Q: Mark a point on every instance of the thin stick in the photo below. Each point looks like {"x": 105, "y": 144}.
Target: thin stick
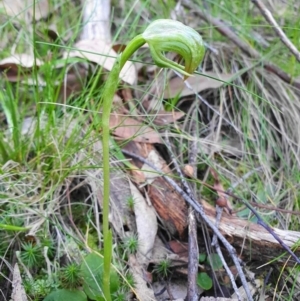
{"x": 215, "y": 243}
{"x": 193, "y": 249}
{"x": 285, "y": 40}
{"x": 199, "y": 208}
{"x": 193, "y": 257}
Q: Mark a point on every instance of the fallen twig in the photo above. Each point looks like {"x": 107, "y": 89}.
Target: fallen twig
{"x": 193, "y": 250}
{"x": 285, "y": 40}
{"x": 215, "y": 243}
{"x": 261, "y": 223}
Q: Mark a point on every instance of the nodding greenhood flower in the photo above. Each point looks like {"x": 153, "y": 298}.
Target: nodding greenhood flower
{"x": 169, "y": 35}
{"x": 161, "y": 36}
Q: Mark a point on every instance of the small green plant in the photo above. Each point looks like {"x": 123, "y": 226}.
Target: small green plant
{"x": 171, "y": 103}
{"x": 50, "y": 245}
{"x": 92, "y": 269}
{"x": 31, "y": 255}
{"x": 70, "y": 276}
{"x": 120, "y": 296}
{"x": 203, "y": 279}
{"x": 130, "y": 203}
{"x": 39, "y": 288}
{"x": 129, "y": 280}
{"x": 161, "y": 36}
{"x": 163, "y": 268}
{"x": 131, "y": 243}
{"x": 64, "y": 294}
{"x": 85, "y": 280}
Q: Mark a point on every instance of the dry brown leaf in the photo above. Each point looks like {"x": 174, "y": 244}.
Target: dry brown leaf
{"x": 129, "y": 128}
{"x": 117, "y": 47}
{"x": 138, "y": 176}
{"x": 222, "y": 200}
{"x": 179, "y": 248}
{"x": 189, "y": 170}
{"x": 15, "y": 77}
{"x": 161, "y": 117}
{"x": 15, "y": 68}
{"x": 197, "y": 84}
{"x": 150, "y": 173}
{"x": 23, "y": 9}
{"x": 52, "y": 32}
{"x": 146, "y": 223}
{"x": 18, "y": 292}
{"x": 164, "y": 118}
{"x": 141, "y": 289}
{"x": 101, "y": 53}
{"x": 23, "y": 60}
{"x": 121, "y": 216}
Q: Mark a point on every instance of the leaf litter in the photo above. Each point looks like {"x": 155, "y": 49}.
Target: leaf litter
{"x": 198, "y": 83}
{"x": 102, "y": 54}
{"x": 23, "y": 9}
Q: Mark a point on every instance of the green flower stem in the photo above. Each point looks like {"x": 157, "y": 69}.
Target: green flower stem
{"x": 161, "y": 36}
{"x": 136, "y": 43}
{"x": 108, "y": 95}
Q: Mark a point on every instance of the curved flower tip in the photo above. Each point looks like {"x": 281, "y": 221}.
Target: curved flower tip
{"x": 169, "y": 35}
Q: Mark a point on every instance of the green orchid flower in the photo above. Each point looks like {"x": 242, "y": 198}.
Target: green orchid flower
{"x": 162, "y": 36}
{"x": 169, "y": 35}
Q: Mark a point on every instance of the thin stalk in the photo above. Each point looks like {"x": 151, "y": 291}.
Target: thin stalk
{"x": 107, "y": 100}
{"x": 108, "y": 94}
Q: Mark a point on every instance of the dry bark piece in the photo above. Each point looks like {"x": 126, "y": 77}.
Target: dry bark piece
{"x": 167, "y": 202}
{"x": 96, "y": 20}
{"x": 252, "y": 240}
